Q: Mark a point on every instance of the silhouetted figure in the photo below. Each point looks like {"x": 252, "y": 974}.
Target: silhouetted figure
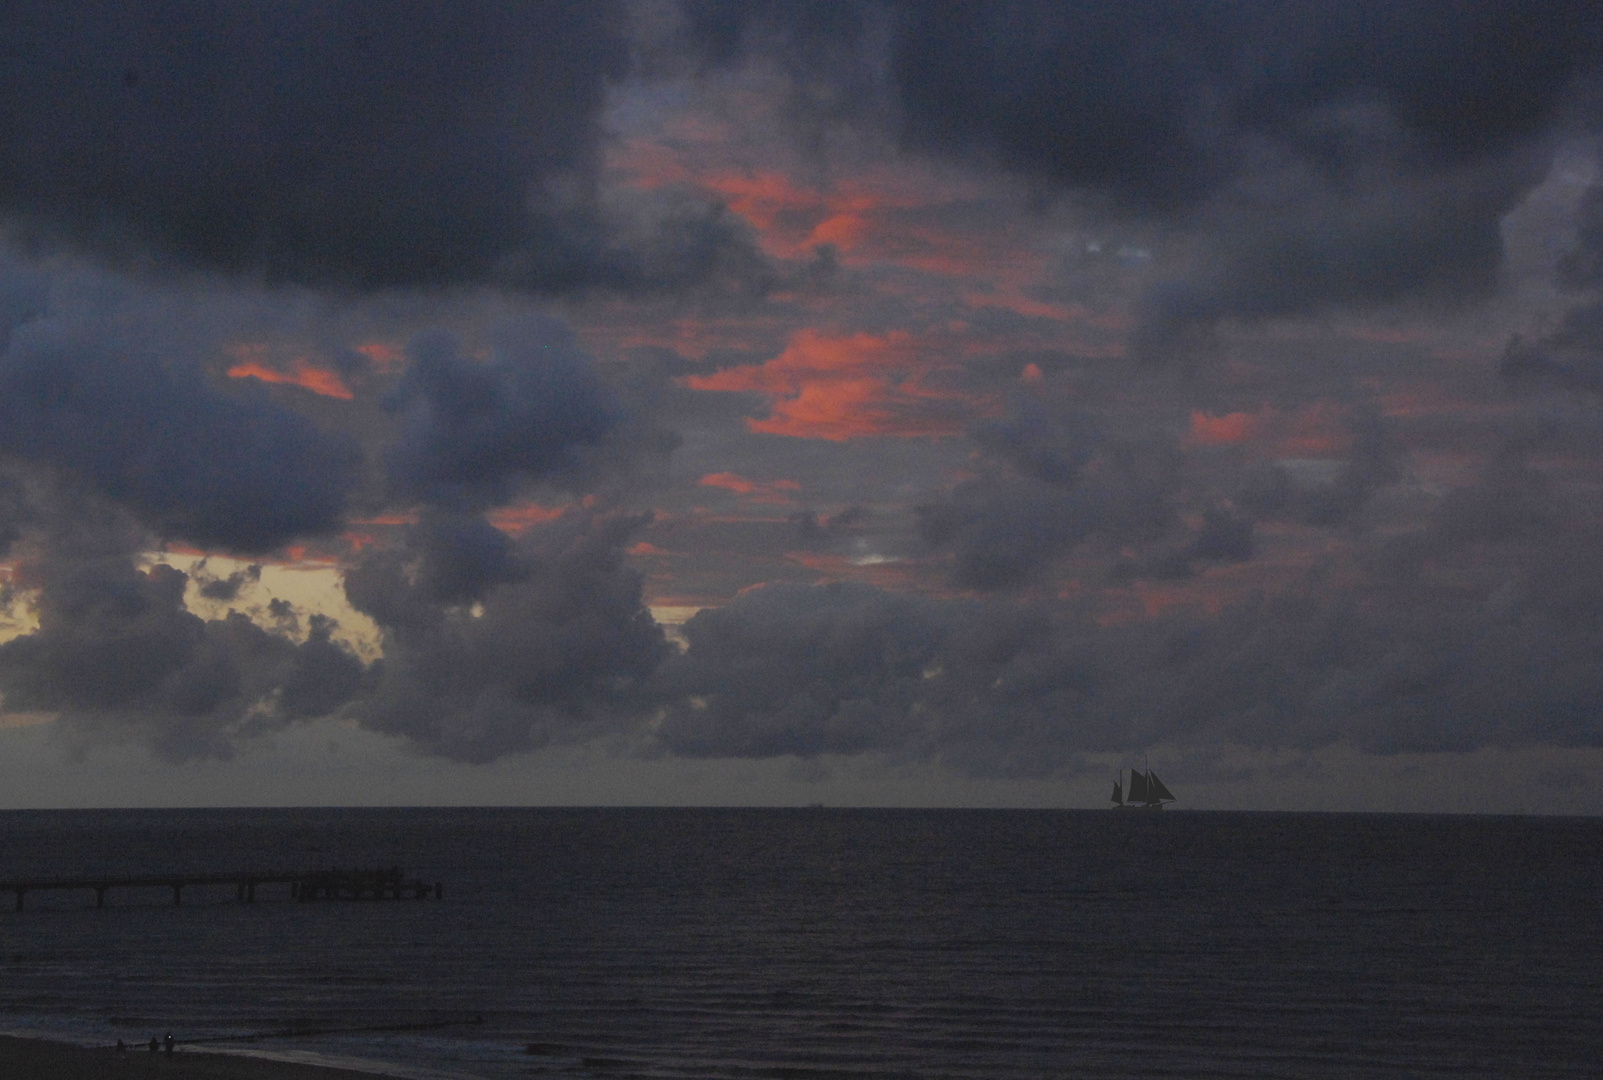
{"x": 122, "y": 1047}
{"x": 169, "y": 1041}
{"x": 153, "y": 1044}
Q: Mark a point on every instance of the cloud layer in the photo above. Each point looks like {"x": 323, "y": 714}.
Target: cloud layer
{"x": 494, "y": 647}
{"x": 83, "y": 395}
{"x": 489, "y": 330}
{"x": 350, "y": 145}
{"x": 1319, "y": 155}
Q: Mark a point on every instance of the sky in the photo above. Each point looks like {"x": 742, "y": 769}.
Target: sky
{"x": 861, "y": 403}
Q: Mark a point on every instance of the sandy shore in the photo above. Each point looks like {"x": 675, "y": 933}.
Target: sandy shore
{"x": 36, "y": 1059}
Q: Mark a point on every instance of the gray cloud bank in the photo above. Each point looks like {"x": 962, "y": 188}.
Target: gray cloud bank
{"x": 1477, "y": 630}
{"x": 1570, "y": 356}
{"x": 1417, "y": 653}
{"x": 494, "y": 646}
{"x": 1055, "y": 481}
{"x": 1321, "y": 155}
{"x": 353, "y": 144}
{"x": 118, "y": 655}
{"x": 118, "y": 435}
{"x": 472, "y": 429}
{"x": 89, "y": 394}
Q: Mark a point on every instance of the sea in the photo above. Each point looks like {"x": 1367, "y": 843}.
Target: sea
{"x": 826, "y": 944}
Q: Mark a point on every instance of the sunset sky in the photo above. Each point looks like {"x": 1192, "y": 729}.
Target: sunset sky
{"x": 775, "y": 403}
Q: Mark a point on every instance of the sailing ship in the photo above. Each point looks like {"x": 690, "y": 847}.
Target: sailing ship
{"x": 1146, "y": 791}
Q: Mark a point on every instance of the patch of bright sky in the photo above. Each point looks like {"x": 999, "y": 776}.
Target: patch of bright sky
{"x": 313, "y": 588}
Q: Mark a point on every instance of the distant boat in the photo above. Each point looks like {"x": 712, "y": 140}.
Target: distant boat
{"x": 1146, "y": 791}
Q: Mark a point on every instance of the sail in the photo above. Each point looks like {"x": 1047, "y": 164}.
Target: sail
{"x": 1118, "y": 795}
{"x": 1155, "y": 788}
{"x": 1138, "y": 787}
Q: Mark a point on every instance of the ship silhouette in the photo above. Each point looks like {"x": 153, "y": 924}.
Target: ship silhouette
{"x": 1146, "y": 791}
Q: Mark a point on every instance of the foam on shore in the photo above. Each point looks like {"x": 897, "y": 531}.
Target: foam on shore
{"x": 40, "y": 1059}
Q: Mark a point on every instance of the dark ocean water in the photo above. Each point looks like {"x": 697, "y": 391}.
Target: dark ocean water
{"x": 793, "y": 944}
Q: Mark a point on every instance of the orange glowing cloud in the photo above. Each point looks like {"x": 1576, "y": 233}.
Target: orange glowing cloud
{"x": 773, "y": 205}
{"x": 772, "y": 491}
{"x": 1023, "y": 305}
{"x": 1316, "y": 430}
{"x": 847, "y": 387}
{"x": 1006, "y": 262}
{"x": 299, "y": 553}
{"x": 690, "y": 337}
{"x": 409, "y": 518}
{"x": 886, "y": 574}
{"x": 514, "y": 519}
{"x": 383, "y": 356}
{"x": 1420, "y": 399}
{"x": 1230, "y": 429}
{"x": 295, "y": 554}
{"x": 1146, "y": 600}
{"x": 789, "y": 218}
{"x": 856, "y": 215}
{"x": 792, "y": 219}
{"x": 299, "y": 373}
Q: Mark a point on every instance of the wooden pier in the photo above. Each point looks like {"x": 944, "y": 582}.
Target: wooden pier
{"x": 304, "y": 886}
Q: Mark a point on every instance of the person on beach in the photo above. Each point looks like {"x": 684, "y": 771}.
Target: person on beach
{"x": 169, "y": 1042}
{"x": 153, "y": 1044}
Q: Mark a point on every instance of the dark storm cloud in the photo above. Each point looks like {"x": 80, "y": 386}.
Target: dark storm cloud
{"x": 348, "y": 144}
{"x": 1565, "y": 359}
{"x": 1056, "y": 481}
{"x": 233, "y": 471}
{"x": 800, "y": 670}
{"x": 493, "y": 647}
{"x": 228, "y": 588}
{"x": 1270, "y": 491}
{"x": 1571, "y": 356}
{"x": 1001, "y": 531}
{"x": 1478, "y": 632}
{"x": 1380, "y": 237}
{"x": 117, "y": 653}
{"x": 1324, "y": 154}
{"x": 1512, "y": 502}
{"x": 493, "y": 644}
{"x": 1223, "y": 537}
{"x": 814, "y": 531}
{"x": 115, "y": 437}
{"x": 16, "y": 510}
{"x": 1047, "y": 445}
{"x": 1582, "y": 266}
{"x": 984, "y": 688}
{"x": 472, "y": 429}
{"x": 23, "y": 296}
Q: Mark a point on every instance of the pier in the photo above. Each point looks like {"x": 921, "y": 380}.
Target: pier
{"x": 304, "y": 886}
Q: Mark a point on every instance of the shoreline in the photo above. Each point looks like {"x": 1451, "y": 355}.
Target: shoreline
{"x": 44, "y": 1059}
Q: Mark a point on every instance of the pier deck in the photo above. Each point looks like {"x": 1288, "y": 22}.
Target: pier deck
{"x": 304, "y": 886}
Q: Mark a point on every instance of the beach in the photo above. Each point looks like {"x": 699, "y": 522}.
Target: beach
{"x": 37, "y": 1059}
